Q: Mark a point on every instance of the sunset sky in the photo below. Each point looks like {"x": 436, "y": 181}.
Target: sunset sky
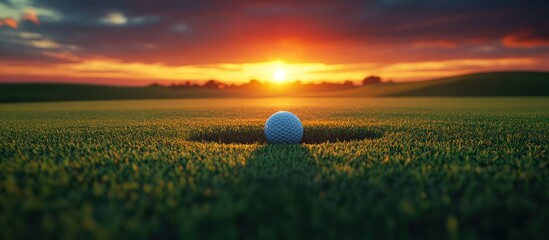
{"x": 136, "y": 42}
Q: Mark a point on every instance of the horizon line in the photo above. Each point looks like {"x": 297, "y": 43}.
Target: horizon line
{"x": 196, "y": 82}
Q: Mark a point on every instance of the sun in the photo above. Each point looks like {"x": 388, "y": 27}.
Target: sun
{"x": 279, "y": 75}
{"x": 279, "y": 71}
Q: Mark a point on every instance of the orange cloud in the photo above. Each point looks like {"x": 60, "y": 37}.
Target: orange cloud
{"x": 10, "y": 22}
{"x": 524, "y": 40}
{"x": 142, "y": 73}
{"x": 30, "y": 16}
{"x": 459, "y": 64}
{"x": 67, "y": 56}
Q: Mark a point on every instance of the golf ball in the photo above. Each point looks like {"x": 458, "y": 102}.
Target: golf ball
{"x": 283, "y": 127}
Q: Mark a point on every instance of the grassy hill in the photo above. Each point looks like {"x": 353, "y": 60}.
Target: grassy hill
{"x": 480, "y": 84}
{"x": 65, "y": 92}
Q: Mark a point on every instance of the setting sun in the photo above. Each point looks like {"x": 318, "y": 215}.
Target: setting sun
{"x": 279, "y": 75}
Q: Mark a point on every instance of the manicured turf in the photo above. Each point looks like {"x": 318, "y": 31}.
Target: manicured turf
{"x": 370, "y": 168}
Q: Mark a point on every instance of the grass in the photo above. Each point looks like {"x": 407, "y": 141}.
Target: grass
{"x": 369, "y": 168}
{"x": 312, "y": 134}
{"x": 470, "y": 85}
{"x": 41, "y": 92}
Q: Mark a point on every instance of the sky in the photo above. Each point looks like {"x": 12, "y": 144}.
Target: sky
{"x": 136, "y": 42}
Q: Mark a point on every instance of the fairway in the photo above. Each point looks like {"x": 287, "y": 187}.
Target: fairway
{"x": 200, "y": 168}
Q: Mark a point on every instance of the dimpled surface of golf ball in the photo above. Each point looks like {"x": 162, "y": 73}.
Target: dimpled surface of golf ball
{"x": 284, "y": 128}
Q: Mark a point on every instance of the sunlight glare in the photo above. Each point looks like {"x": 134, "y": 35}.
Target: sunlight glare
{"x": 279, "y": 75}
{"x": 279, "y": 71}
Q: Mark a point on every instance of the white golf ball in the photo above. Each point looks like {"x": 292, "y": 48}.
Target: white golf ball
{"x": 284, "y": 127}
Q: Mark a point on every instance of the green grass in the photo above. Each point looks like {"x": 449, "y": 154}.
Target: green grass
{"x": 370, "y": 168}
{"x": 41, "y": 92}
{"x": 479, "y": 84}
{"x": 312, "y": 134}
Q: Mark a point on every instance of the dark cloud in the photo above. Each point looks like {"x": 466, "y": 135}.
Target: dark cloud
{"x": 196, "y": 32}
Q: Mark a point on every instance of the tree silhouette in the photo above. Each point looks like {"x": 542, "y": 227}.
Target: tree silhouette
{"x": 371, "y": 80}
{"x": 211, "y": 84}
